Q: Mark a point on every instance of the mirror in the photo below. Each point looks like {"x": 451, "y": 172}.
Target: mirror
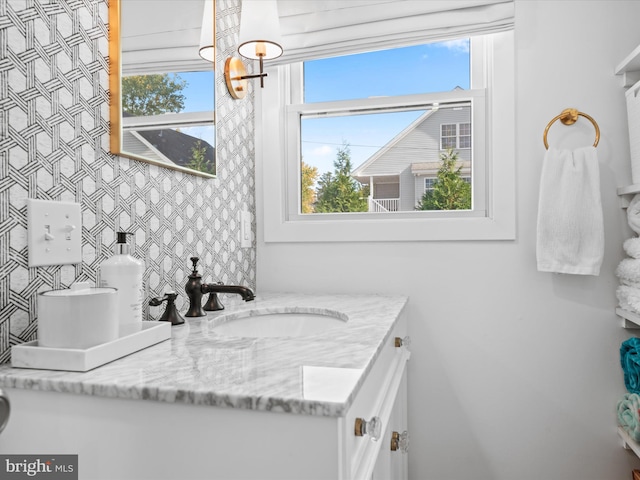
{"x": 162, "y": 105}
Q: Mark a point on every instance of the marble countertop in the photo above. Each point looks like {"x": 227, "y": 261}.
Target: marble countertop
{"x": 313, "y": 375}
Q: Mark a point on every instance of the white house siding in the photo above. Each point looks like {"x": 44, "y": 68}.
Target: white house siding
{"x": 418, "y": 181}
{"x": 420, "y": 145}
{"x": 407, "y": 190}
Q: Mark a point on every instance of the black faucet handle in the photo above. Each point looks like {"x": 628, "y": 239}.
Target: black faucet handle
{"x": 168, "y": 297}
{"x": 171, "y": 313}
{"x": 154, "y": 302}
{"x": 194, "y": 260}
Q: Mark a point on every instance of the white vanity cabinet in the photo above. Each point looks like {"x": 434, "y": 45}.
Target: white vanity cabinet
{"x": 137, "y": 438}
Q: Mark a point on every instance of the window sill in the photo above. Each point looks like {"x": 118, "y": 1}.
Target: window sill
{"x": 390, "y": 230}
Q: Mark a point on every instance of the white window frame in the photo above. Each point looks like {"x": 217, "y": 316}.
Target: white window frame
{"x": 460, "y": 135}
{"x": 457, "y": 136}
{"x": 454, "y": 136}
{"x": 277, "y": 159}
{"x": 431, "y": 181}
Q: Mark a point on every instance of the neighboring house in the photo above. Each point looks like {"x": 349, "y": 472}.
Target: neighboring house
{"x": 165, "y": 145}
{"x": 399, "y": 173}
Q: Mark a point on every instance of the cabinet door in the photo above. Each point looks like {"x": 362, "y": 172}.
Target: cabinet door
{"x": 400, "y": 457}
{"x": 393, "y": 464}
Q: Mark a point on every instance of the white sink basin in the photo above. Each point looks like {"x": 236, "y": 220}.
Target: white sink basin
{"x": 289, "y": 322}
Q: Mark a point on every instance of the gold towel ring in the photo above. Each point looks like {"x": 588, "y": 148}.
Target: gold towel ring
{"x": 569, "y": 116}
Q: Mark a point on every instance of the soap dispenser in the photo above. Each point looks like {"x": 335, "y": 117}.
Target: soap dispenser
{"x": 124, "y": 272}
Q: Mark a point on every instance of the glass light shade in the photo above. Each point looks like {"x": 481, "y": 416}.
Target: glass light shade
{"x": 207, "y": 40}
{"x": 259, "y": 30}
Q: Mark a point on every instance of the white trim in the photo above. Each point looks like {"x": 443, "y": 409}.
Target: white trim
{"x": 168, "y": 120}
{"x": 274, "y": 143}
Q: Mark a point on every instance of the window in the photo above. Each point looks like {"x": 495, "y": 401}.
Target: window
{"x": 428, "y": 184}
{"x": 464, "y": 135}
{"x": 448, "y": 136}
{"x": 343, "y": 128}
{"x": 455, "y": 135}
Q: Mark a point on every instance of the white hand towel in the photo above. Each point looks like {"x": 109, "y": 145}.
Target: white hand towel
{"x": 570, "y": 236}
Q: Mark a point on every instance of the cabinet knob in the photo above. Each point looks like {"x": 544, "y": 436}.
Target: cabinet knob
{"x": 403, "y": 342}
{"x": 373, "y": 428}
{"x": 400, "y": 441}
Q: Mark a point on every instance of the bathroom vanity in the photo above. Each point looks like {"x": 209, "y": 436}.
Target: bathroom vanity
{"x": 224, "y": 404}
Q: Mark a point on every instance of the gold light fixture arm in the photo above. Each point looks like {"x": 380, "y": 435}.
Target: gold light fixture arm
{"x": 235, "y": 76}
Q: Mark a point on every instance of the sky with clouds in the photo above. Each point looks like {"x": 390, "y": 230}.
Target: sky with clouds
{"x": 436, "y": 67}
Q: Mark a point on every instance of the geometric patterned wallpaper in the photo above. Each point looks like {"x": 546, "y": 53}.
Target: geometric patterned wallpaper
{"x": 54, "y": 144}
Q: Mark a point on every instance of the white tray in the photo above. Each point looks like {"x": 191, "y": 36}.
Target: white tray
{"x": 30, "y": 355}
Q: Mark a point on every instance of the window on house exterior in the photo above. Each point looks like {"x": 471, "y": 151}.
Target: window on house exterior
{"x": 448, "y": 136}
{"x": 350, "y": 133}
{"x": 428, "y": 184}
{"x": 464, "y": 135}
{"x": 455, "y": 135}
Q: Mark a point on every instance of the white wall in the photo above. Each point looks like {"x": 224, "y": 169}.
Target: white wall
{"x": 515, "y": 374}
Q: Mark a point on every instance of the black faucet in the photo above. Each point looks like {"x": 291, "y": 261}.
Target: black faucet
{"x": 195, "y": 289}
{"x": 194, "y": 293}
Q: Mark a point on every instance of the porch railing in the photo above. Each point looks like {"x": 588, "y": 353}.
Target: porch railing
{"x": 383, "y": 204}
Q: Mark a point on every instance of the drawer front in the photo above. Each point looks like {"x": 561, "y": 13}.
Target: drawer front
{"x": 375, "y": 399}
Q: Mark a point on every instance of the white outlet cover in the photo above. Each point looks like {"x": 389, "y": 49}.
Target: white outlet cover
{"x": 54, "y": 232}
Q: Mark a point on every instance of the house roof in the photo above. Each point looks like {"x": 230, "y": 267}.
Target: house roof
{"x": 177, "y": 146}
{"x": 430, "y": 168}
{"x": 168, "y": 145}
{"x": 359, "y": 171}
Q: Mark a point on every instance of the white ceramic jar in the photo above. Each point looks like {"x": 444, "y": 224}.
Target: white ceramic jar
{"x": 79, "y": 317}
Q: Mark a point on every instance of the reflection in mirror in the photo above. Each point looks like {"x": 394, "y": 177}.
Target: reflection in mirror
{"x": 162, "y": 90}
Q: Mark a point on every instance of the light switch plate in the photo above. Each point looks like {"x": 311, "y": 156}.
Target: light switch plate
{"x": 54, "y": 232}
{"x": 245, "y": 229}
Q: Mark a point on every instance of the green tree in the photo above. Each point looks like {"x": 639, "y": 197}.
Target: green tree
{"x": 450, "y": 191}
{"x": 199, "y": 160}
{"x": 339, "y": 192}
{"x": 309, "y": 176}
{"x": 152, "y": 94}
